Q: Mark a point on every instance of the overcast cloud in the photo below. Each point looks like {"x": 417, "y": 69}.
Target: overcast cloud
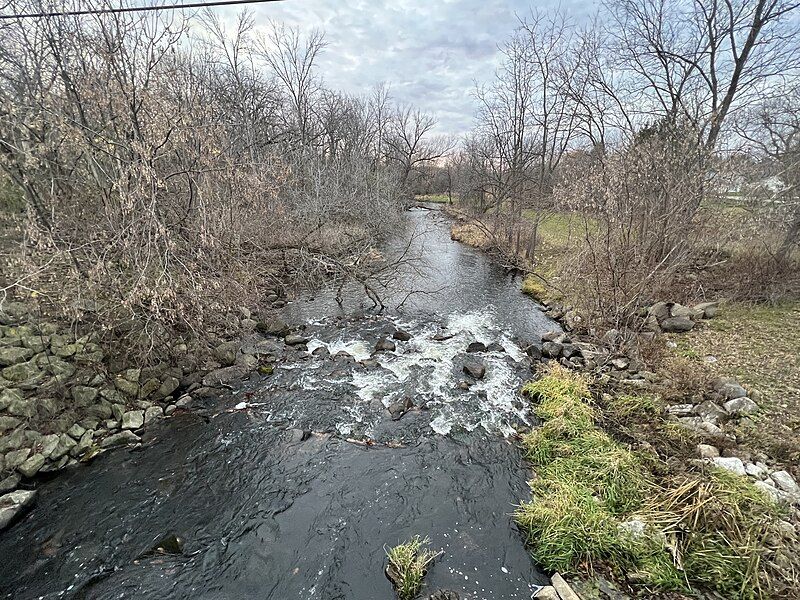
{"x": 430, "y": 51}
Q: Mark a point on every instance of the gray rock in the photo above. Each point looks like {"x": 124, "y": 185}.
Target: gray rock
{"x": 274, "y": 327}
{"x": 11, "y": 355}
{"x": 399, "y": 408}
{"x": 249, "y": 324}
{"x": 678, "y": 310}
{"x": 776, "y": 494}
{"x": 476, "y": 347}
{"x": 10, "y": 483}
{"x": 126, "y": 386}
{"x": 741, "y": 406}
{"x": 677, "y": 324}
{"x": 13, "y": 505}
{"x": 65, "y": 444}
{"x": 294, "y": 339}
{"x": 443, "y": 595}
{"x": 547, "y": 592}
{"x": 48, "y": 443}
{"x": 154, "y": 412}
{"x": 552, "y": 349}
{"x": 31, "y": 466}
{"x": 708, "y": 310}
{"x": 76, "y": 431}
{"x": 707, "y": 451}
{"x": 120, "y": 439}
{"x": 86, "y": 442}
{"x": 620, "y": 363}
{"x": 226, "y": 352}
{"x": 495, "y": 347}
{"x": 680, "y": 410}
{"x": 659, "y": 311}
{"x": 22, "y": 372}
{"x": 786, "y": 482}
{"x": 16, "y": 457}
{"x": 729, "y": 389}
{"x": 711, "y": 412}
{"x": 475, "y": 369}
{"x": 149, "y": 387}
{"x": 168, "y": 386}
{"x": 169, "y": 410}
{"x": 12, "y": 441}
{"x": 757, "y": 471}
{"x": 84, "y": 396}
{"x": 385, "y": 345}
{"x": 133, "y": 419}
{"x": 22, "y": 407}
{"x": 730, "y": 463}
{"x": 224, "y": 375}
{"x": 401, "y": 335}
{"x": 9, "y": 395}
{"x": 8, "y": 422}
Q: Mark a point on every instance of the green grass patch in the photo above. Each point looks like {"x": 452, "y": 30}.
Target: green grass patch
{"x": 702, "y": 529}
{"x": 535, "y": 288}
{"x": 408, "y": 563}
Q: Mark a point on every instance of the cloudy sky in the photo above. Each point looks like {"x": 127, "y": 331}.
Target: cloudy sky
{"x": 430, "y": 51}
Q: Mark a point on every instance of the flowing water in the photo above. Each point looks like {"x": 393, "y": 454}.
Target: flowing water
{"x": 291, "y": 486}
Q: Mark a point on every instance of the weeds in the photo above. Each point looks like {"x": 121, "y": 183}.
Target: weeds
{"x": 701, "y": 529}
{"x": 408, "y": 563}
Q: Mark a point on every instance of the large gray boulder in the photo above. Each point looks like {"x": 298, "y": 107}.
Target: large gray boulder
{"x": 13, "y": 505}
{"x": 741, "y": 406}
{"x": 679, "y": 324}
{"x": 11, "y": 355}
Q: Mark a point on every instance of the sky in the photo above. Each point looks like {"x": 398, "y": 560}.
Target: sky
{"x": 431, "y": 52}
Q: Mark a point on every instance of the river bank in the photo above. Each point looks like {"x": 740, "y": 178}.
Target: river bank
{"x": 685, "y": 417}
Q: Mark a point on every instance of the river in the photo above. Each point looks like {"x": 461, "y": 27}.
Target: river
{"x": 291, "y": 486}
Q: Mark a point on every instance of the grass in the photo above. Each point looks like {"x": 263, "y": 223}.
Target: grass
{"x": 703, "y": 529}
{"x": 535, "y": 288}
{"x": 757, "y": 345}
{"x": 408, "y": 563}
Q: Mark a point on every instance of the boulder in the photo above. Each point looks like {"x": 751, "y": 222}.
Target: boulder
{"x": 295, "y": 340}
{"x": 149, "y": 387}
{"x": 22, "y": 407}
{"x": 786, "y": 482}
{"x": 126, "y": 386}
{"x": 154, "y": 412}
{"x": 167, "y": 387}
{"x": 659, "y": 311}
{"x": 547, "y": 592}
{"x": 681, "y": 410}
{"x": 385, "y": 345}
{"x": 678, "y": 310}
{"x": 476, "y": 347}
{"x": 16, "y": 457}
{"x": 31, "y": 466}
{"x": 48, "y": 443}
{"x": 226, "y": 352}
{"x": 707, "y": 310}
{"x": 741, "y": 406}
{"x": 7, "y": 396}
{"x": 551, "y": 349}
{"x": 11, "y": 355}
{"x": 273, "y": 327}
{"x": 444, "y": 595}
{"x": 730, "y": 463}
{"x": 534, "y": 352}
{"x": 495, "y": 347}
{"x": 399, "y": 408}
{"x": 401, "y": 335}
{"x": 13, "y": 505}
{"x": 224, "y": 375}
{"x": 707, "y": 451}
{"x": 133, "y": 419}
{"x": 676, "y": 324}
{"x": 475, "y": 369}
{"x": 65, "y": 444}
{"x": 22, "y": 372}
{"x": 10, "y": 483}
{"x": 729, "y": 389}
{"x": 711, "y": 412}
{"x": 84, "y": 396}
{"x": 7, "y": 423}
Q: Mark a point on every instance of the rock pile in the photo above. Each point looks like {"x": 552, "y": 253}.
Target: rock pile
{"x": 671, "y": 317}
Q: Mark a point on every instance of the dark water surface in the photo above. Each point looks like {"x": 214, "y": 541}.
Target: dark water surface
{"x": 270, "y": 512}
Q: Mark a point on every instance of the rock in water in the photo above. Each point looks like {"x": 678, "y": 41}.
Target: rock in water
{"x": 443, "y": 595}
{"x": 475, "y": 369}
{"x": 401, "y": 335}
{"x": 476, "y": 347}
{"x": 275, "y": 327}
{"x": 13, "y": 504}
{"x": 385, "y": 345}
{"x": 295, "y": 340}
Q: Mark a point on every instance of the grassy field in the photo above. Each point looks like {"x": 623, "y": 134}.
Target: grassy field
{"x": 760, "y": 347}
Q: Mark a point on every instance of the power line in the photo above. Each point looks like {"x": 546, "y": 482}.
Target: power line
{"x": 129, "y": 9}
